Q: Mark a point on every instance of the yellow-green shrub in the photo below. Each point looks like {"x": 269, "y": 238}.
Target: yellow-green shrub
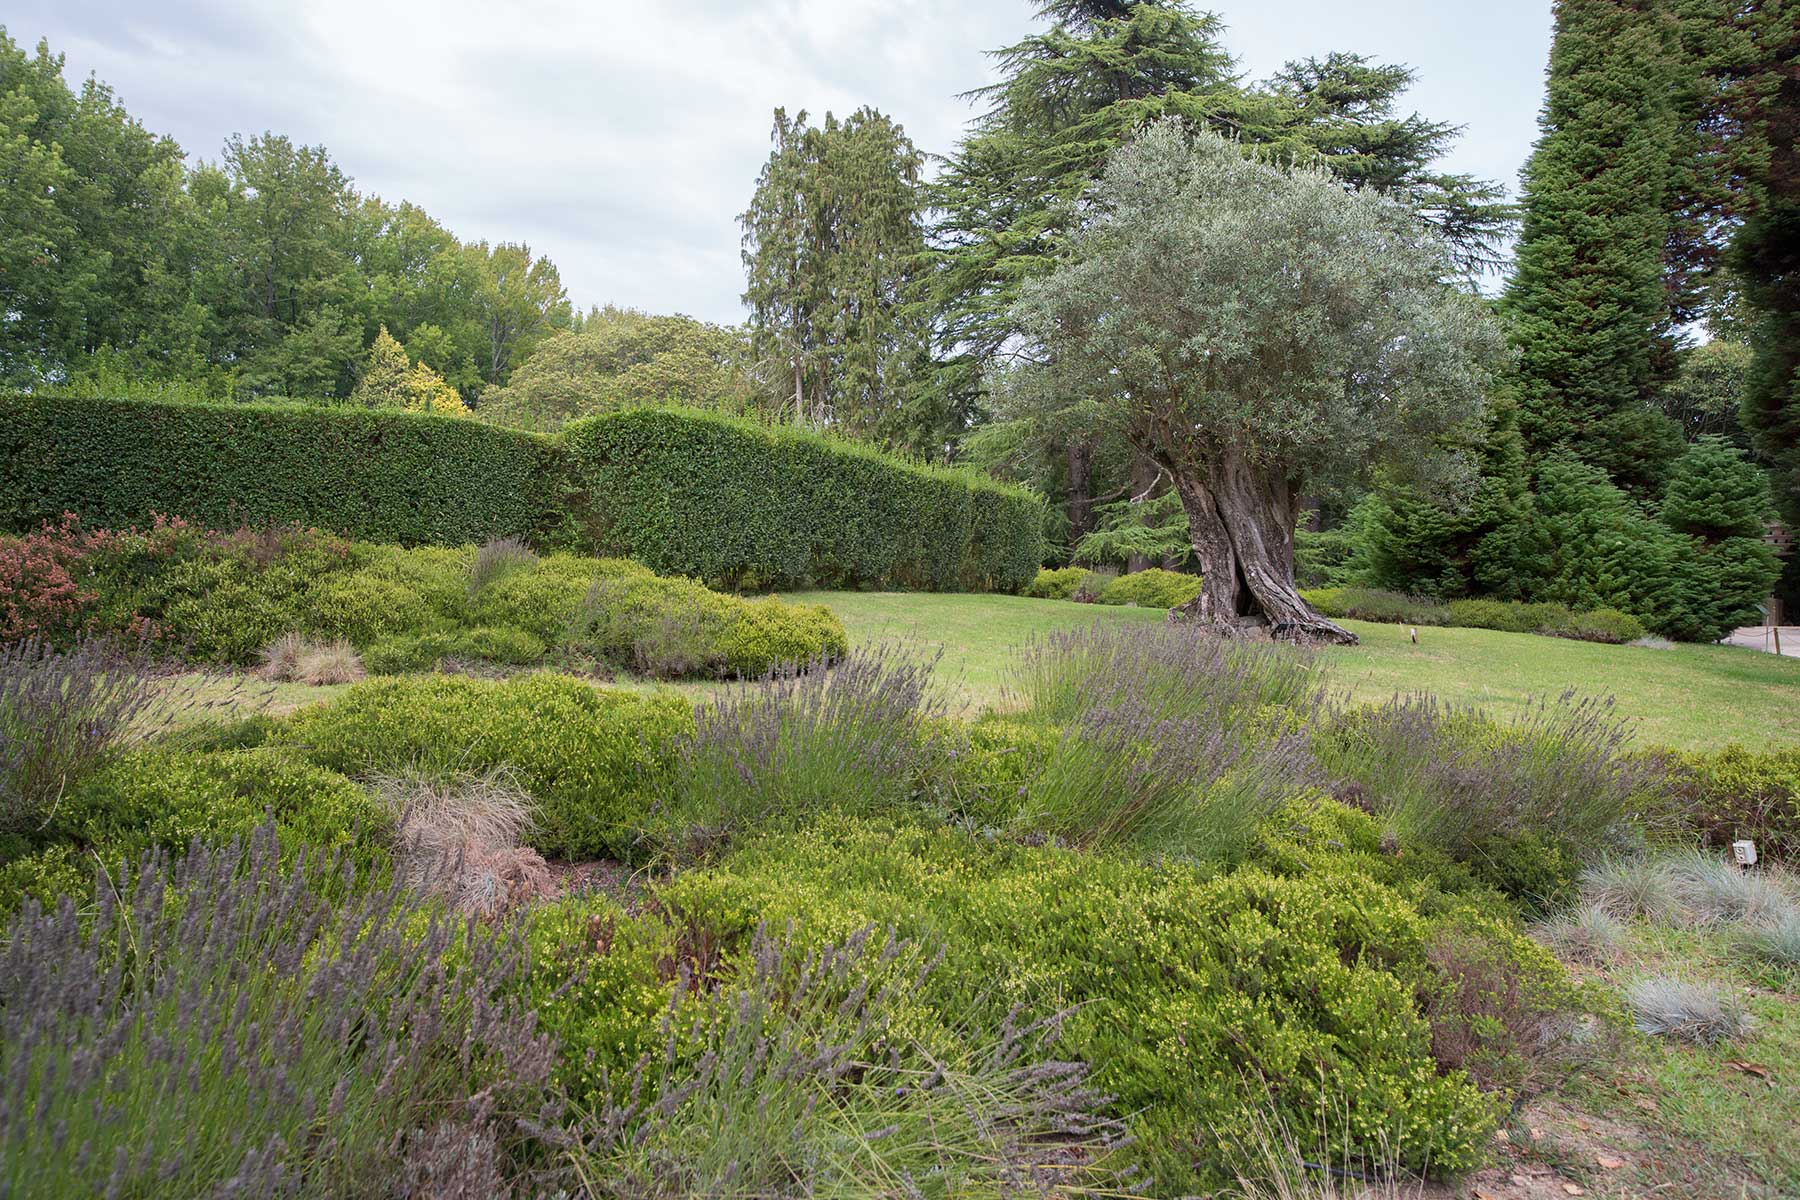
{"x": 593, "y": 760}
{"x": 1198, "y": 1000}
{"x": 1152, "y": 588}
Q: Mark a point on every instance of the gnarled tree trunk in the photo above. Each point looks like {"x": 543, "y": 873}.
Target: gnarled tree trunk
{"x": 1242, "y": 520}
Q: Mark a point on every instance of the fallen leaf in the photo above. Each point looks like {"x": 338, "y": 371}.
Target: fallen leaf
{"x": 1750, "y": 1068}
{"x": 1608, "y": 1161}
{"x": 1500, "y": 1135}
{"x": 1484, "y": 1194}
{"x": 1574, "y": 1189}
{"x": 1646, "y": 1103}
{"x": 1582, "y": 1125}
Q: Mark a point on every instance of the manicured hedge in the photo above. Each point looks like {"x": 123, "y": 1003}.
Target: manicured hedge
{"x": 731, "y": 500}
{"x": 377, "y": 475}
{"x": 723, "y": 500}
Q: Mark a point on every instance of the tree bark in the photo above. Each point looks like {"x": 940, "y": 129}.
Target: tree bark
{"x": 1242, "y": 520}
{"x": 1143, "y": 480}
{"x": 1081, "y": 501}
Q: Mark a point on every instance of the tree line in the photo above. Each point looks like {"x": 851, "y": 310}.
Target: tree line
{"x": 1650, "y": 306}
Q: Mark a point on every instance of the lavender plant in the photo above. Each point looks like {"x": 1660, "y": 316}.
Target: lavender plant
{"x": 805, "y": 1077}
{"x": 1174, "y": 738}
{"x": 1450, "y": 777}
{"x": 217, "y": 1027}
{"x": 1178, "y": 671}
{"x": 65, "y": 715}
{"x": 496, "y": 558}
{"x": 805, "y": 738}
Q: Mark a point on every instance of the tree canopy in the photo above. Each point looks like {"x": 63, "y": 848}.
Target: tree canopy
{"x": 1257, "y": 329}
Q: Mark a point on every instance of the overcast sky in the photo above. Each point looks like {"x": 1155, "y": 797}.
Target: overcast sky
{"x": 622, "y": 139}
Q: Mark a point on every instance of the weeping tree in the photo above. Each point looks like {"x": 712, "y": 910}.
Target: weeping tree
{"x": 1262, "y": 332}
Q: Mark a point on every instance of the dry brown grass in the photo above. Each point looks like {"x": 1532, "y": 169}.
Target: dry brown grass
{"x": 459, "y": 837}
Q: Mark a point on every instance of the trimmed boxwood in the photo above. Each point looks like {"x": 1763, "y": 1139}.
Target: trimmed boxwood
{"x": 723, "y": 500}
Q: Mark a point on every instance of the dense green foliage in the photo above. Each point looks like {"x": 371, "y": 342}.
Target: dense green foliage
{"x": 263, "y": 274}
{"x": 1150, "y": 588}
{"x": 834, "y": 241}
{"x": 1508, "y": 616}
{"x": 381, "y": 475}
{"x": 1587, "y": 299}
{"x": 751, "y": 505}
{"x": 593, "y": 761}
{"x": 1738, "y": 793}
{"x": 234, "y": 597}
{"x": 620, "y": 358}
{"x": 683, "y": 491}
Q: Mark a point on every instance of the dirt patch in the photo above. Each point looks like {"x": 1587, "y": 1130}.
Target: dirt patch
{"x": 1554, "y": 1151}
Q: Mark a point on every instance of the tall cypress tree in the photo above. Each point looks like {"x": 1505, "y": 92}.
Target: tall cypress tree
{"x": 1587, "y": 301}
{"x": 1759, "y": 107}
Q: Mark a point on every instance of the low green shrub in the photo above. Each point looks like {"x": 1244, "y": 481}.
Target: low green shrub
{"x": 1724, "y": 795}
{"x": 167, "y": 797}
{"x": 1508, "y": 616}
{"x": 670, "y": 628}
{"x": 1057, "y": 583}
{"x": 224, "y": 597}
{"x": 1198, "y": 1001}
{"x": 426, "y": 651}
{"x": 1604, "y": 625}
{"x": 593, "y": 760}
{"x": 1152, "y": 588}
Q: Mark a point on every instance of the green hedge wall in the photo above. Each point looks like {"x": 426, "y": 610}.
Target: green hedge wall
{"x": 683, "y": 492}
{"x": 376, "y": 475}
{"x": 750, "y": 505}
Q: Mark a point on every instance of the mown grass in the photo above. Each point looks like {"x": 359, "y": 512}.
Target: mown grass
{"x": 1691, "y": 697}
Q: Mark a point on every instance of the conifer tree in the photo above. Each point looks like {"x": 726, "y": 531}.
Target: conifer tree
{"x": 832, "y": 249}
{"x": 1587, "y": 301}
{"x": 383, "y": 383}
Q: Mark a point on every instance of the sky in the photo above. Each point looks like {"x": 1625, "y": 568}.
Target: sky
{"x": 622, "y": 139}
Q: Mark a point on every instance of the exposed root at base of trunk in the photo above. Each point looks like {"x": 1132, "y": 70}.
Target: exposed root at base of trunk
{"x": 1313, "y": 630}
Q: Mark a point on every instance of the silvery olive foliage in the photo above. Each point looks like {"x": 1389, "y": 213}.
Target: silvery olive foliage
{"x": 1214, "y": 299}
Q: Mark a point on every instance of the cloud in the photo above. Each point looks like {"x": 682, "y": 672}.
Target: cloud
{"x": 623, "y": 139}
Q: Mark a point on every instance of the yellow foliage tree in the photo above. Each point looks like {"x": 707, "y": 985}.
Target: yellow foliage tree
{"x": 391, "y": 380}
{"x": 426, "y": 391}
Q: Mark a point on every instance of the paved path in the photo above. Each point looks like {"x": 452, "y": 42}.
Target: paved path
{"x": 1759, "y": 637}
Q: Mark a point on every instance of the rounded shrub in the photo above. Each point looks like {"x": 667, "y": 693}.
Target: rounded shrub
{"x": 594, "y": 761}
{"x": 1057, "y": 583}
{"x": 1152, "y": 588}
{"x": 1605, "y": 625}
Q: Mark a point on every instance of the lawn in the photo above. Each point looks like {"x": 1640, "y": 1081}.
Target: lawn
{"x": 1689, "y": 696}
{"x": 1694, "y": 697}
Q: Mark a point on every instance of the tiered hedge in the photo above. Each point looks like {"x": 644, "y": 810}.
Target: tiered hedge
{"x": 683, "y": 492}
{"x": 725, "y": 499}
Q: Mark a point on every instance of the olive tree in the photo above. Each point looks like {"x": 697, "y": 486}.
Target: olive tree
{"x": 1261, "y": 331}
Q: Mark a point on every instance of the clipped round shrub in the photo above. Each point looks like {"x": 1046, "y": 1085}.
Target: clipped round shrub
{"x": 1503, "y": 615}
{"x": 767, "y": 633}
{"x": 1152, "y": 588}
{"x": 542, "y": 600}
{"x": 1057, "y": 583}
{"x": 593, "y": 760}
{"x": 1607, "y": 625}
